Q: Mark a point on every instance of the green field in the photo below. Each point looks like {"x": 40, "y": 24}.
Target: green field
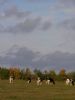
{"x": 20, "y": 90}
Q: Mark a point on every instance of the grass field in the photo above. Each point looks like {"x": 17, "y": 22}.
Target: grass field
{"x": 20, "y": 90}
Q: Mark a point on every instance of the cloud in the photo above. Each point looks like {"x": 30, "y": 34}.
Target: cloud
{"x": 1, "y": 28}
{"x": 19, "y": 21}
{"x": 64, "y": 6}
{"x": 46, "y": 25}
{"x": 71, "y": 2}
{"x": 67, "y": 27}
{"x": 28, "y": 26}
{"x": 24, "y": 57}
{"x": 69, "y": 24}
{"x": 3, "y": 2}
{"x": 57, "y": 61}
{"x": 13, "y": 11}
{"x": 34, "y": 1}
{"x": 18, "y": 56}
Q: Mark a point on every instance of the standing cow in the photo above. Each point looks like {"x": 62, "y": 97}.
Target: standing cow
{"x": 29, "y": 80}
{"x": 11, "y": 79}
{"x": 39, "y": 81}
{"x": 69, "y": 82}
{"x": 51, "y": 80}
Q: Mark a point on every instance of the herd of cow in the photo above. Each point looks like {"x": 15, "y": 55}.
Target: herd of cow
{"x": 48, "y": 81}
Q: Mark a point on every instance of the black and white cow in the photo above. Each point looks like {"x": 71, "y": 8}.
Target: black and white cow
{"x": 72, "y": 81}
{"x": 28, "y": 80}
{"x": 39, "y": 81}
{"x": 69, "y": 82}
{"x": 50, "y": 80}
{"x": 11, "y": 79}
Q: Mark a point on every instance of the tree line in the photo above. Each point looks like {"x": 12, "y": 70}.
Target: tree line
{"x": 26, "y": 73}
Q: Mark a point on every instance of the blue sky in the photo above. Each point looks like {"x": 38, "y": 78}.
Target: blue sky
{"x": 46, "y": 27}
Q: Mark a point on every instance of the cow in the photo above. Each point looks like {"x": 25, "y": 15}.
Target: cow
{"x": 39, "y": 81}
{"x": 28, "y": 80}
{"x": 72, "y": 81}
{"x": 11, "y": 79}
{"x": 69, "y": 82}
{"x": 50, "y": 80}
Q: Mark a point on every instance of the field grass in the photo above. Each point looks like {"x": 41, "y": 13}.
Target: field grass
{"x": 20, "y": 90}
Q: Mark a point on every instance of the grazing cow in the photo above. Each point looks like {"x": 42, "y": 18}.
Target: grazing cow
{"x": 50, "y": 80}
{"x": 10, "y": 79}
{"x": 29, "y": 80}
{"x": 69, "y": 82}
{"x": 72, "y": 81}
{"x": 39, "y": 81}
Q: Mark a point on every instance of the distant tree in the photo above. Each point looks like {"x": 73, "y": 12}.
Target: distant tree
{"x": 15, "y": 72}
{"x": 11, "y": 72}
{"x": 45, "y": 74}
{"x": 22, "y": 73}
{"x": 71, "y": 75}
{"x": 4, "y": 73}
{"x": 52, "y": 74}
{"x": 62, "y": 74}
{"x": 28, "y": 73}
{"x": 38, "y": 73}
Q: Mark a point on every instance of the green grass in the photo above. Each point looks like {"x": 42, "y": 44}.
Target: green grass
{"x": 20, "y": 90}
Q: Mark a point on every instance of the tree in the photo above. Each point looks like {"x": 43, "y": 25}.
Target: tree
{"x": 52, "y": 74}
{"x": 62, "y": 74}
{"x": 15, "y": 72}
{"x": 45, "y": 74}
{"x": 28, "y": 73}
{"x": 71, "y": 75}
{"x": 4, "y": 73}
{"x": 11, "y": 72}
{"x": 38, "y": 73}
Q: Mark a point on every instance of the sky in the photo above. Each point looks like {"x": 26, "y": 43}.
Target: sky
{"x": 37, "y": 33}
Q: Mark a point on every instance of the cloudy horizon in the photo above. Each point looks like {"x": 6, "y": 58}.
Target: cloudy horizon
{"x": 37, "y": 33}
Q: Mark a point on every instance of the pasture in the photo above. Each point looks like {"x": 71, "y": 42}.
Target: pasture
{"x": 20, "y": 90}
